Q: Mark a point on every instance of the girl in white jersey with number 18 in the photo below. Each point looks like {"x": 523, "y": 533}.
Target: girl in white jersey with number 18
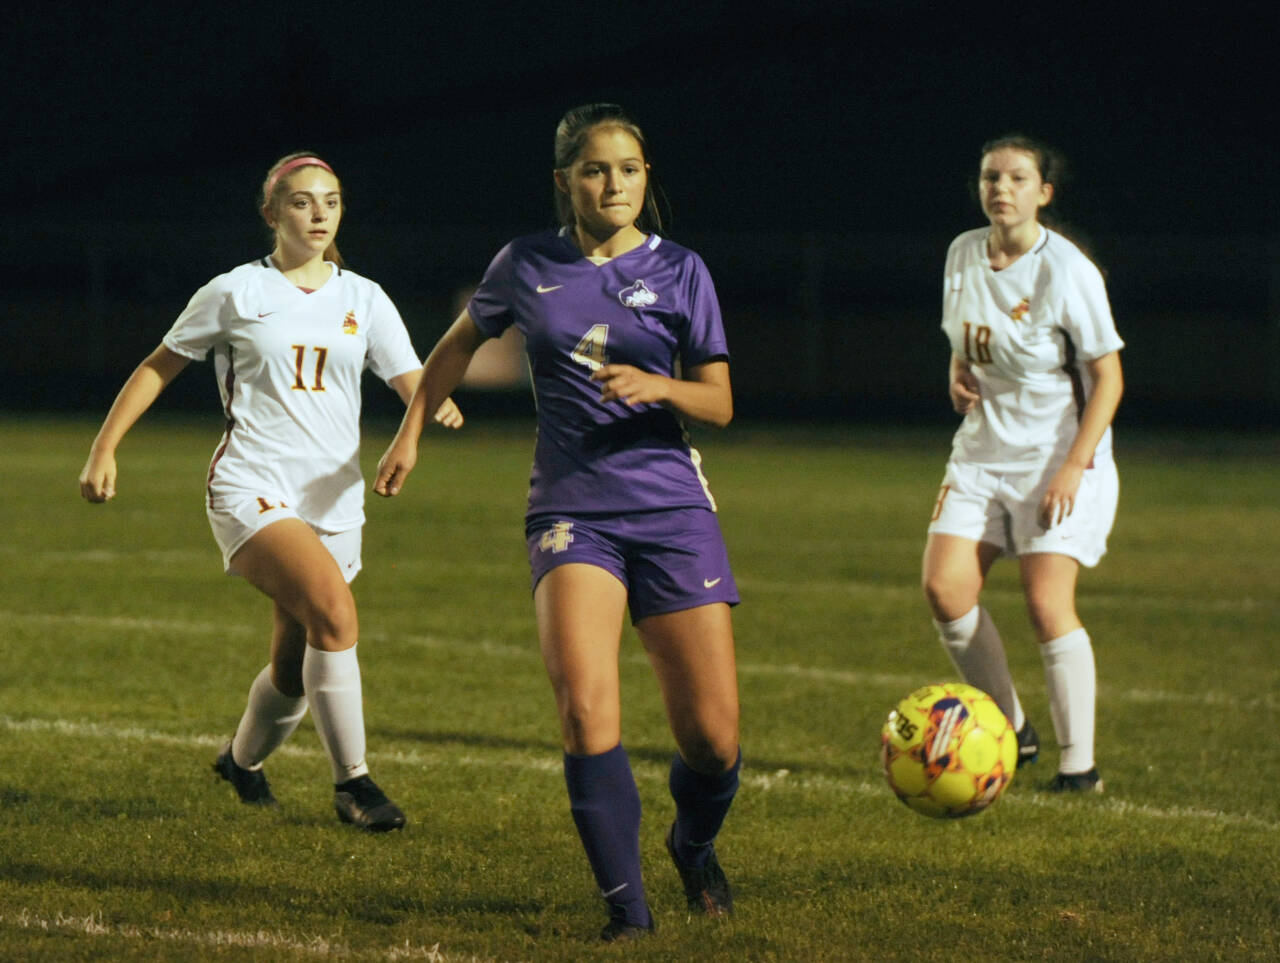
{"x": 291, "y": 335}
{"x": 1035, "y": 370}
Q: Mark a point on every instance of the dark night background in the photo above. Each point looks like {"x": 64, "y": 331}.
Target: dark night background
{"x": 816, "y": 155}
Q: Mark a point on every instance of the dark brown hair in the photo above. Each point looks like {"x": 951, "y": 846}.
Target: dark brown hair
{"x": 1053, "y": 170}
{"x": 571, "y": 136}
{"x": 1051, "y": 165}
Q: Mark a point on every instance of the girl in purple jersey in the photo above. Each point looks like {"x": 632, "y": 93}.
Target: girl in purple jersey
{"x": 1035, "y": 369}
{"x": 291, "y": 335}
{"x": 625, "y": 341}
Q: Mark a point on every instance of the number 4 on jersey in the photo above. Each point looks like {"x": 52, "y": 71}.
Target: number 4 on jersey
{"x": 590, "y": 348}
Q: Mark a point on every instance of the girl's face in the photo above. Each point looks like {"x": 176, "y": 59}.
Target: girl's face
{"x": 306, "y": 216}
{"x": 1010, "y": 188}
{"x": 606, "y": 183}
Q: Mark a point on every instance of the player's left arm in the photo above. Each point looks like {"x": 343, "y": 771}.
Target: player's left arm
{"x": 448, "y": 414}
{"x": 704, "y": 394}
{"x": 1108, "y": 387}
{"x": 443, "y": 372}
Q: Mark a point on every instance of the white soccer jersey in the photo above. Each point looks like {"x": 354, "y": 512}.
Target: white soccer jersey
{"x": 1026, "y": 331}
{"x": 289, "y": 366}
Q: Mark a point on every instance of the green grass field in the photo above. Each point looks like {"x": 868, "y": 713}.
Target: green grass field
{"x": 126, "y": 656}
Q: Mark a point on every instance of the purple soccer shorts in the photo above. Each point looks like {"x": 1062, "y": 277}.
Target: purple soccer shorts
{"x": 668, "y": 560}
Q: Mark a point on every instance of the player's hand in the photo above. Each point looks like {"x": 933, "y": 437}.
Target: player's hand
{"x": 630, "y": 385}
{"x": 98, "y": 478}
{"x": 1059, "y": 499}
{"x": 449, "y": 415}
{"x": 394, "y": 467}
{"x": 965, "y": 392}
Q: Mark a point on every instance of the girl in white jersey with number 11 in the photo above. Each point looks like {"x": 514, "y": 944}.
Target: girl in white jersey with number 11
{"x": 291, "y": 335}
{"x": 1035, "y": 370}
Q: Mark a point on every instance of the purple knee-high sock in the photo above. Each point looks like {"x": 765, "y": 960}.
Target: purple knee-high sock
{"x": 702, "y": 802}
{"x": 606, "y": 809}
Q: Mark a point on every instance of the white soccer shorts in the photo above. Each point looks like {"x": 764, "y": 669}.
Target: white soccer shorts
{"x": 238, "y": 522}
{"x": 1002, "y": 508}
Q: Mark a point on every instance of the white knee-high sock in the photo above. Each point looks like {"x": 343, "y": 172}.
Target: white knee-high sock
{"x": 975, "y": 648}
{"x": 332, "y": 683}
{"x": 269, "y": 719}
{"x": 1072, "y": 680}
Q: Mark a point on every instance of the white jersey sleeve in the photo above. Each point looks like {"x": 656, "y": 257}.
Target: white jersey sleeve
{"x": 205, "y": 321}
{"x": 1086, "y": 311}
{"x": 390, "y": 351}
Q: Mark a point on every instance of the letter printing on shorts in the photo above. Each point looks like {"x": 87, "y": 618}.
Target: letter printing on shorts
{"x": 289, "y": 366}
{"x": 652, "y": 307}
{"x": 1027, "y": 331}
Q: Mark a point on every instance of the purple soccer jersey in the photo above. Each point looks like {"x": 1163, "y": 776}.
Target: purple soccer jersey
{"x": 652, "y": 308}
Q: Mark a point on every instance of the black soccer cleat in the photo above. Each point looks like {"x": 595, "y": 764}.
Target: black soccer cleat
{"x": 618, "y": 930}
{"x": 250, "y": 784}
{"x": 1028, "y": 744}
{"x": 1076, "y": 782}
{"x": 361, "y": 803}
{"x": 705, "y": 887}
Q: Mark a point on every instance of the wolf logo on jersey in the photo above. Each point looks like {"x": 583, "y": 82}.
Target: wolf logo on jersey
{"x": 637, "y": 296}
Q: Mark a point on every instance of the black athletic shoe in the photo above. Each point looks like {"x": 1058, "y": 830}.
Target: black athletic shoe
{"x": 705, "y": 886}
{"x": 1076, "y": 782}
{"x": 250, "y": 784}
{"x": 360, "y": 802}
{"x": 1028, "y": 744}
{"x": 618, "y": 930}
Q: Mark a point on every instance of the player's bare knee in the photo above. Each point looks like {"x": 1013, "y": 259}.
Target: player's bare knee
{"x": 933, "y": 591}
{"x": 1051, "y": 625}
{"x": 332, "y": 623}
{"x": 588, "y": 724}
{"x": 711, "y": 749}
{"x": 948, "y": 600}
{"x": 710, "y": 757}
{"x": 1049, "y": 612}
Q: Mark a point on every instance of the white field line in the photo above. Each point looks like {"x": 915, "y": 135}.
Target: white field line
{"x": 132, "y": 556}
{"x": 779, "y": 780}
{"x": 170, "y": 626}
{"x": 1208, "y": 698}
{"x": 316, "y": 946}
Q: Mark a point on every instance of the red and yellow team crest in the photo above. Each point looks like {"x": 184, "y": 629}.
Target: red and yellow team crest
{"x": 349, "y": 325}
{"x": 1021, "y": 309}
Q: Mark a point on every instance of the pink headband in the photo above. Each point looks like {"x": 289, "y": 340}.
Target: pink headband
{"x": 285, "y": 168}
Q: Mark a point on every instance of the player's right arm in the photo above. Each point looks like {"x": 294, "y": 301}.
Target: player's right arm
{"x": 963, "y": 385}
{"x": 98, "y": 477}
{"x": 442, "y": 373}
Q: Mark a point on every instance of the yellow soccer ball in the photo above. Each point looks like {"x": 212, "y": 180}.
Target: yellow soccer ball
{"x": 948, "y": 750}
